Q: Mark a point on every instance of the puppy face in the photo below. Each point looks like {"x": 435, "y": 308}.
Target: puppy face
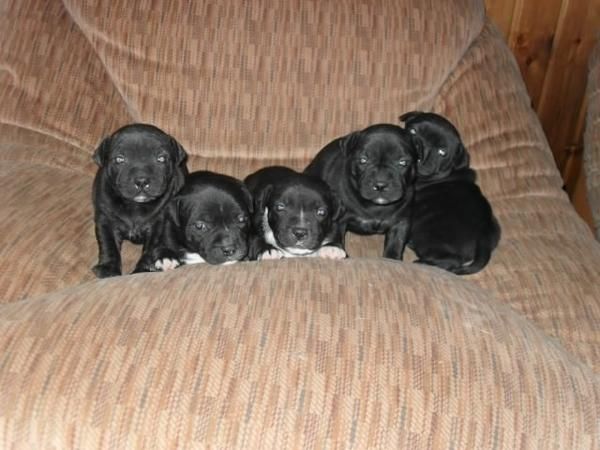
{"x": 298, "y": 217}
{"x": 141, "y": 162}
{"x": 438, "y": 143}
{"x": 381, "y": 162}
{"x": 215, "y": 223}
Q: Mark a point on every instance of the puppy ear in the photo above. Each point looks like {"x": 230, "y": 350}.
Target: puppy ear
{"x": 172, "y": 211}
{"x": 101, "y": 153}
{"x": 338, "y": 207}
{"x": 409, "y": 115}
{"x": 261, "y": 200}
{"x": 248, "y": 200}
{"x": 180, "y": 153}
{"x": 348, "y": 142}
{"x": 461, "y": 158}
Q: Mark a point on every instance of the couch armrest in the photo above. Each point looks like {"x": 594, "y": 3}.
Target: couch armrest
{"x": 591, "y": 154}
{"x": 546, "y": 264}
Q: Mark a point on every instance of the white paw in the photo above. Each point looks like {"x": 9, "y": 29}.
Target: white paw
{"x": 193, "y": 258}
{"x": 271, "y": 254}
{"x": 166, "y": 264}
{"x": 330, "y": 252}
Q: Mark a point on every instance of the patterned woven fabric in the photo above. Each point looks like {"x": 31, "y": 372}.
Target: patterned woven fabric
{"x": 249, "y": 79}
{"x": 591, "y": 152}
{"x": 335, "y": 356}
{"x": 298, "y": 353}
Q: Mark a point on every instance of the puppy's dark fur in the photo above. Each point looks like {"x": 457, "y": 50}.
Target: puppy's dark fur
{"x": 453, "y": 225}
{"x": 294, "y": 215}
{"x": 140, "y": 169}
{"x": 372, "y": 172}
{"x": 208, "y": 221}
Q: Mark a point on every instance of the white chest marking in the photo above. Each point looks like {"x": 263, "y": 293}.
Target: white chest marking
{"x": 288, "y": 252}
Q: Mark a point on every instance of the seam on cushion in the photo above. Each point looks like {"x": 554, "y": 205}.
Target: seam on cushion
{"x": 133, "y": 114}
{"x": 27, "y": 163}
{"x": 60, "y": 138}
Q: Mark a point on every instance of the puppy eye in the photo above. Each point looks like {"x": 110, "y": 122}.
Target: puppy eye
{"x": 201, "y": 226}
{"x": 441, "y": 152}
{"x": 403, "y": 162}
{"x": 322, "y": 212}
{"x": 412, "y": 131}
{"x": 279, "y": 207}
{"x": 119, "y": 159}
{"x": 161, "y": 159}
{"x": 363, "y": 160}
{"x": 242, "y": 218}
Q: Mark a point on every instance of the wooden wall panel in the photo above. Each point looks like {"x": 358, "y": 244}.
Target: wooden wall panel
{"x": 551, "y": 40}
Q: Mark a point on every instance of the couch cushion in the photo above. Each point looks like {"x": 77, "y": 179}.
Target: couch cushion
{"x": 264, "y": 79}
{"x": 51, "y": 81}
{"x": 359, "y": 353}
{"x": 591, "y": 152}
{"x": 47, "y": 240}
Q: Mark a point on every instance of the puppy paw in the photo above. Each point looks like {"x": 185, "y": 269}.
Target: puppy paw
{"x": 271, "y": 254}
{"x": 106, "y": 271}
{"x": 166, "y": 264}
{"x": 331, "y": 252}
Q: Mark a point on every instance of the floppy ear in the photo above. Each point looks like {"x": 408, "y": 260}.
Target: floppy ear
{"x": 180, "y": 153}
{"x": 172, "y": 211}
{"x": 180, "y": 171}
{"x": 248, "y": 200}
{"x": 348, "y": 142}
{"x": 461, "y": 158}
{"x": 101, "y": 153}
{"x": 410, "y": 115}
{"x": 338, "y": 207}
{"x": 261, "y": 200}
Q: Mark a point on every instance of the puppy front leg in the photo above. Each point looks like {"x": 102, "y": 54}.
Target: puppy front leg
{"x": 168, "y": 254}
{"x": 258, "y": 249}
{"x": 152, "y": 250}
{"x": 395, "y": 240}
{"x": 109, "y": 252}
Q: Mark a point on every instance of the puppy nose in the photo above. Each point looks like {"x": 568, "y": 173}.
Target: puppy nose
{"x": 379, "y": 186}
{"x": 141, "y": 182}
{"x": 228, "y": 251}
{"x": 299, "y": 233}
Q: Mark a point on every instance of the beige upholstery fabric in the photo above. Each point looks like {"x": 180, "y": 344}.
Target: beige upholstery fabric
{"x": 255, "y": 79}
{"x": 591, "y": 153}
{"x": 278, "y": 361}
{"x": 299, "y": 353}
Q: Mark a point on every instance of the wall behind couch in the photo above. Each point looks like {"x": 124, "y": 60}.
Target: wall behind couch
{"x": 551, "y": 40}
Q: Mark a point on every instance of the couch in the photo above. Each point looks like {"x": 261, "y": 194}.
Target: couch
{"x": 299, "y": 353}
{"x": 591, "y": 153}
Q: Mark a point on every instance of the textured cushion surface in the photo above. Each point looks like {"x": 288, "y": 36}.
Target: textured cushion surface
{"x": 381, "y": 355}
{"x": 247, "y": 79}
{"x": 591, "y": 151}
{"x": 305, "y": 353}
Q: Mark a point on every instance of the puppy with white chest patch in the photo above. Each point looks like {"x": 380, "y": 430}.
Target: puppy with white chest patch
{"x": 453, "y": 224}
{"x": 294, "y": 216}
{"x": 207, "y": 222}
{"x": 140, "y": 169}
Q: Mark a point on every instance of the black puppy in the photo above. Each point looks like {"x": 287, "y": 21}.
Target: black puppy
{"x": 372, "y": 172}
{"x": 208, "y": 221}
{"x": 453, "y": 224}
{"x": 294, "y": 215}
{"x": 140, "y": 169}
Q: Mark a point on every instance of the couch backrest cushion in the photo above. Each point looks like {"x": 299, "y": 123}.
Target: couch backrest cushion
{"x": 53, "y": 83}
{"x": 265, "y": 79}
